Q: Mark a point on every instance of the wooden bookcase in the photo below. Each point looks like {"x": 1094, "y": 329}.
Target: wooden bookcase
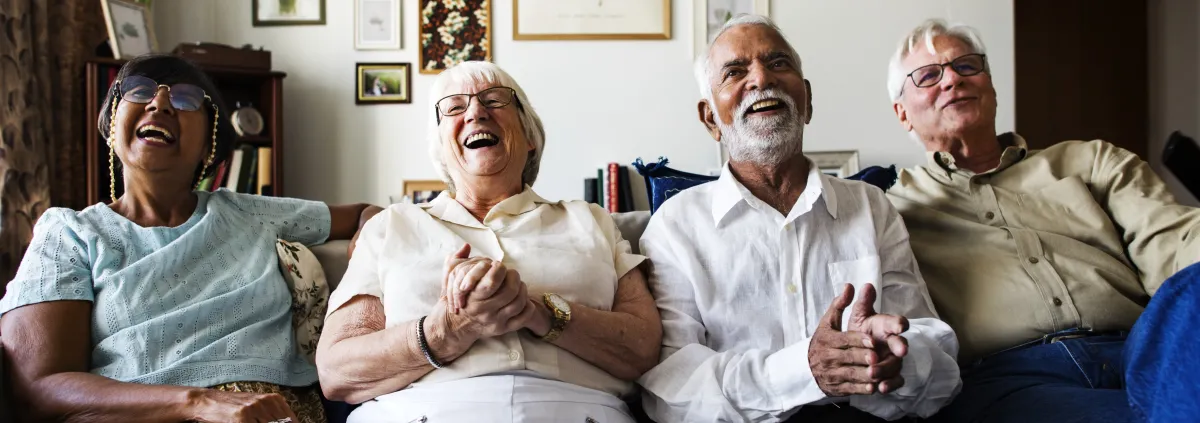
{"x": 262, "y": 88}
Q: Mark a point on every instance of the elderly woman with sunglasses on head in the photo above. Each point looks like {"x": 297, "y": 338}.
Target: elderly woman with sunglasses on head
{"x": 132, "y": 311}
{"x": 489, "y": 304}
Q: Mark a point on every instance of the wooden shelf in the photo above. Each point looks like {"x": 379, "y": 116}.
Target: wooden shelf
{"x": 255, "y": 139}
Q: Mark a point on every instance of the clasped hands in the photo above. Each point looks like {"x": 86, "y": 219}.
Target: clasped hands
{"x": 864, "y": 359}
{"x": 485, "y": 298}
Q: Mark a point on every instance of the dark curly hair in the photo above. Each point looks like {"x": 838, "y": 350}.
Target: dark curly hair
{"x": 170, "y": 70}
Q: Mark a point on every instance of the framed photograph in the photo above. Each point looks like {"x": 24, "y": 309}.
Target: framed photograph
{"x": 710, "y": 15}
{"x": 840, "y": 164}
{"x": 419, "y": 191}
{"x": 591, "y": 19}
{"x": 377, "y": 24}
{"x": 130, "y": 31}
{"x": 452, "y": 32}
{"x": 382, "y": 83}
{"x": 288, "y": 12}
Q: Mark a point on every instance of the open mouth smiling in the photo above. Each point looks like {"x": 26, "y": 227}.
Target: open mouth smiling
{"x": 480, "y": 139}
{"x": 155, "y": 134}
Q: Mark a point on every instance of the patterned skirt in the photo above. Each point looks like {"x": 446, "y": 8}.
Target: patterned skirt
{"x": 304, "y": 401}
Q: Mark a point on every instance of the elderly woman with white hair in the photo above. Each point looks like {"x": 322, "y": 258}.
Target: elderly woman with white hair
{"x": 489, "y": 304}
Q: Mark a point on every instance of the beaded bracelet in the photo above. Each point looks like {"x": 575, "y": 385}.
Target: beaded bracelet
{"x": 424, "y": 344}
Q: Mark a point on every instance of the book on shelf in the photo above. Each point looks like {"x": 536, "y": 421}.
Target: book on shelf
{"x": 235, "y": 170}
{"x": 219, "y": 176}
{"x": 263, "y": 182}
{"x": 616, "y": 188}
{"x": 249, "y": 175}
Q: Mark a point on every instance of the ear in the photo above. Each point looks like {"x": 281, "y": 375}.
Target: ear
{"x": 903, "y": 116}
{"x": 808, "y": 101}
{"x": 709, "y": 119}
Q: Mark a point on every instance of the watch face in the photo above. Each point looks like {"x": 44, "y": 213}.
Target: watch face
{"x": 560, "y": 303}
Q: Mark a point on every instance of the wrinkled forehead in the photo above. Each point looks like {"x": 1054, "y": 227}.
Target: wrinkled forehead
{"x": 745, "y": 44}
{"x": 470, "y": 83}
{"x": 941, "y": 49}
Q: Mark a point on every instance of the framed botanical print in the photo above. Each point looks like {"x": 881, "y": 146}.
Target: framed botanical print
{"x": 710, "y": 15}
{"x": 452, "y": 32}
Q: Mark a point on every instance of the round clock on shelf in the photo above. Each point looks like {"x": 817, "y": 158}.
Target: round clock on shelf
{"x": 246, "y": 120}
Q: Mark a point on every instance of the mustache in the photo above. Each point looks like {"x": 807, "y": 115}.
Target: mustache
{"x": 759, "y": 95}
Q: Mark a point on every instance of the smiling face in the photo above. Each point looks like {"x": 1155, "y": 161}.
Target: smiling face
{"x": 483, "y": 142}
{"x": 158, "y": 138}
{"x": 953, "y": 107}
{"x": 760, "y": 101}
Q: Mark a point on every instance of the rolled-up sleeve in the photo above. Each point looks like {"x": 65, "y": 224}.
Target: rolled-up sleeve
{"x": 362, "y": 275}
{"x": 695, "y": 383}
{"x": 930, "y": 370}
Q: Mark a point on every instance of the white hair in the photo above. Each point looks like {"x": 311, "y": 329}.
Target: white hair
{"x": 924, "y": 34}
{"x": 703, "y": 66}
{"x": 478, "y": 72}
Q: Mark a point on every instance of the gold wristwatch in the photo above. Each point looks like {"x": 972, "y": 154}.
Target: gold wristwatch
{"x": 562, "y": 315}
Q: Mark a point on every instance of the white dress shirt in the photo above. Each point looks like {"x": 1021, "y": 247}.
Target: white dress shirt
{"x": 571, "y": 248}
{"x": 742, "y": 288}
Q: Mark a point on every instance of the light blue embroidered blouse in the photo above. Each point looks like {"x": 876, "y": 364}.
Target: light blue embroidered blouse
{"x": 199, "y": 304}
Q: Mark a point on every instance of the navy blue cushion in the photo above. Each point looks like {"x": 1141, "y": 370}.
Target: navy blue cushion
{"x": 663, "y": 182}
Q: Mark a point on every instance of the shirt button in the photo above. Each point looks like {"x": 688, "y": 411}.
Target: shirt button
{"x": 989, "y": 215}
{"x": 791, "y": 287}
{"x": 514, "y": 355}
{"x": 1033, "y": 260}
{"x": 1057, "y": 301}
{"x": 787, "y": 226}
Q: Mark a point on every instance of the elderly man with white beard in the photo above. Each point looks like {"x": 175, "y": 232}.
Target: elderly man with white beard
{"x": 755, "y": 273}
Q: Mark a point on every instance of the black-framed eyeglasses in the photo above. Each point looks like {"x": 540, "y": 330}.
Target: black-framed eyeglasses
{"x": 965, "y": 65}
{"x": 142, "y": 90}
{"x": 492, "y": 98}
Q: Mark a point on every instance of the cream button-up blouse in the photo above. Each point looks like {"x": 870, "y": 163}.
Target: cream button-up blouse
{"x": 571, "y": 248}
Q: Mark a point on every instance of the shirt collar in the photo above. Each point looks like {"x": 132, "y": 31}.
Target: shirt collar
{"x": 728, "y": 192}
{"x": 1015, "y": 149}
{"x": 447, "y": 209}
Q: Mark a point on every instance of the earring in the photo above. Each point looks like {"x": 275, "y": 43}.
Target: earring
{"x": 212, "y": 152}
{"x": 112, "y": 134}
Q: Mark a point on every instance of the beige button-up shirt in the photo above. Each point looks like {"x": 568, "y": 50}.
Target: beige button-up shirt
{"x": 571, "y": 248}
{"x": 1080, "y": 234}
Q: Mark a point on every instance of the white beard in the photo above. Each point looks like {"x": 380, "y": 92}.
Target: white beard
{"x": 764, "y": 140}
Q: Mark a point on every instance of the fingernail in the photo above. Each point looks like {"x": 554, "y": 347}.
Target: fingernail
{"x": 867, "y": 357}
{"x": 867, "y": 343}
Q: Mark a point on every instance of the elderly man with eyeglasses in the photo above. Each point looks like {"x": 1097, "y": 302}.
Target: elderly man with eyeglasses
{"x": 1041, "y": 260}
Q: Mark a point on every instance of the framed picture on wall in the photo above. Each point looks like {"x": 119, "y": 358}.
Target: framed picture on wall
{"x": 382, "y": 83}
{"x": 591, "y": 19}
{"x": 839, "y": 164}
{"x": 288, "y": 12}
{"x": 452, "y": 32}
{"x": 130, "y": 31}
{"x": 710, "y": 15}
{"x": 377, "y": 24}
{"x": 419, "y": 191}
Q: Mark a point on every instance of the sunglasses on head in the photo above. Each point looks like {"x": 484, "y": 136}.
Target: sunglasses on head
{"x": 142, "y": 90}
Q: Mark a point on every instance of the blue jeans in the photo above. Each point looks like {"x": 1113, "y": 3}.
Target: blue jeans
{"x": 1163, "y": 353}
{"x": 1076, "y": 380}
{"x": 1152, "y": 376}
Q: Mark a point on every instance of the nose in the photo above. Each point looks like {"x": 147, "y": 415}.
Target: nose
{"x": 476, "y": 111}
{"x": 759, "y": 78}
{"x": 161, "y": 102}
{"x": 950, "y": 79}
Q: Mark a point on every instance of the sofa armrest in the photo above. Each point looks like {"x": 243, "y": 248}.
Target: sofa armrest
{"x": 334, "y": 260}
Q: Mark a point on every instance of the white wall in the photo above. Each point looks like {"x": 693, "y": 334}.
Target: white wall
{"x": 1174, "y": 58}
{"x": 601, "y": 101}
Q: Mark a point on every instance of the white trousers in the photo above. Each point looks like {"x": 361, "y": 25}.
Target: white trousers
{"x": 495, "y": 399}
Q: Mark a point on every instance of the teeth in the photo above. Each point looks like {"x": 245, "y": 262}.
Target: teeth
{"x": 480, "y": 136}
{"x": 763, "y": 104}
{"x": 164, "y": 131}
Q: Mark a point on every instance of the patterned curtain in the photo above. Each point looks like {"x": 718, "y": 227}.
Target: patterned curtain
{"x": 43, "y": 45}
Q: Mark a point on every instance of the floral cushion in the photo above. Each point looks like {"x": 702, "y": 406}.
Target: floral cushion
{"x": 310, "y": 294}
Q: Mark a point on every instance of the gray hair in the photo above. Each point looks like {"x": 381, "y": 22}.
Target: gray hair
{"x": 925, "y": 34}
{"x": 478, "y": 72}
{"x": 703, "y": 65}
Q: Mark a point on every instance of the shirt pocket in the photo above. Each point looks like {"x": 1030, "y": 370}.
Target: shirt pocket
{"x": 859, "y": 273}
{"x": 1065, "y": 207}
